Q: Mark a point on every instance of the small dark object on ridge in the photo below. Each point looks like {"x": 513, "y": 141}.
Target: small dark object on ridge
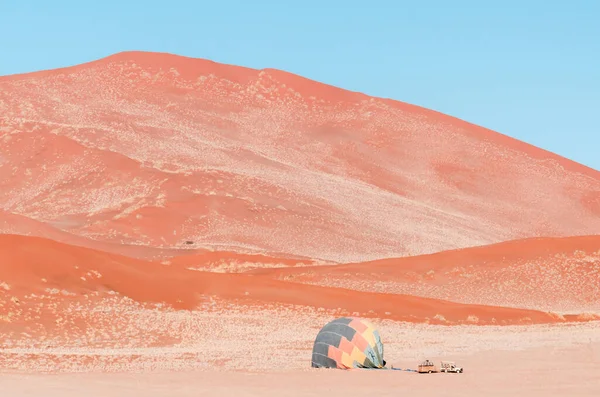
{"x": 189, "y": 242}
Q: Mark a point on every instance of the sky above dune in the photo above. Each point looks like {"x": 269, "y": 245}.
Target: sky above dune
{"x": 530, "y": 70}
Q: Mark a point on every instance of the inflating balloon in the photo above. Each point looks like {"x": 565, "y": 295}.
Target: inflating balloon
{"x": 348, "y": 342}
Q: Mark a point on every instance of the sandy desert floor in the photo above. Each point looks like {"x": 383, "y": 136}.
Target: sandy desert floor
{"x": 267, "y": 352}
{"x": 541, "y": 371}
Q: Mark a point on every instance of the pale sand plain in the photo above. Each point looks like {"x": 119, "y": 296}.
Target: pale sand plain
{"x": 267, "y": 353}
{"x": 547, "y": 371}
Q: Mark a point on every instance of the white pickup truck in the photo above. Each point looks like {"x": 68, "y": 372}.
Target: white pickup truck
{"x": 450, "y": 366}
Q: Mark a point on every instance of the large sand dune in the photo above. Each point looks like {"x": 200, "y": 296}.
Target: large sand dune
{"x": 156, "y": 150}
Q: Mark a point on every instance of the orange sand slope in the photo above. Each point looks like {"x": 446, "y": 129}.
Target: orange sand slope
{"x": 18, "y": 224}
{"x": 155, "y": 150}
{"x": 42, "y": 281}
{"x": 553, "y": 274}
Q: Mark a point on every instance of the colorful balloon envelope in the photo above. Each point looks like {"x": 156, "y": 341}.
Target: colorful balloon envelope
{"x": 348, "y": 342}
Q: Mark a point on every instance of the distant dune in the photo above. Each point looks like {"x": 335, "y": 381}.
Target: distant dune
{"x": 156, "y": 150}
{"x": 32, "y": 265}
{"x": 31, "y": 268}
{"x": 553, "y": 274}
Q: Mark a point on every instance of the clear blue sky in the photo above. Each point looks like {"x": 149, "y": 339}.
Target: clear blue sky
{"x": 529, "y": 69}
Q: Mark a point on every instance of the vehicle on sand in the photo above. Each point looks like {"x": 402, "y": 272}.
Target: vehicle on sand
{"x": 450, "y": 366}
{"x": 427, "y": 367}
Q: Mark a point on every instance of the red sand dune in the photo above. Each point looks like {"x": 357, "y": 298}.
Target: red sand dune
{"x": 153, "y": 150}
{"x": 43, "y": 281}
{"x": 556, "y": 274}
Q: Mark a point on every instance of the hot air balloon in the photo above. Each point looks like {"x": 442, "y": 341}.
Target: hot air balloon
{"x": 348, "y": 342}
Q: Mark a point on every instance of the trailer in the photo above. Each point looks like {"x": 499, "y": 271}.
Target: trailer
{"x": 450, "y": 366}
{"x": 427, "y": 367}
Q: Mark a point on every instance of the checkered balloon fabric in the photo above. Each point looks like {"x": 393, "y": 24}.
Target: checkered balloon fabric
{"x": 348, "y": 342}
